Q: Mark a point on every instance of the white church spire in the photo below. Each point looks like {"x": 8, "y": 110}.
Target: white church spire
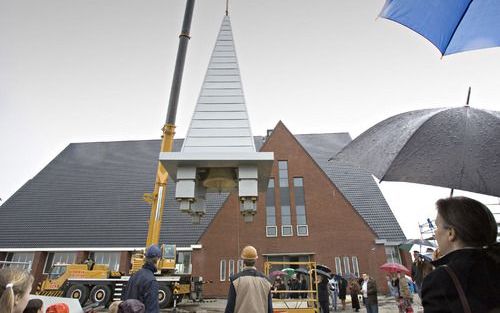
{"x": 220, "y": 120}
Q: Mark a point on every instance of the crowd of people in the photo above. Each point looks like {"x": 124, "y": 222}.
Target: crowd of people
{"x": 463, "y": 275}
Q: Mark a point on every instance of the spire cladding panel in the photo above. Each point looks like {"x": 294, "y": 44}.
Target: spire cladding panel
{"x": 220, "y": 120}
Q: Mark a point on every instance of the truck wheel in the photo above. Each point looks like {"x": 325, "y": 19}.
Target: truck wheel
{"x": 100, "y": 294}
{"x": 79, "y": 292}
{"x": 165, "y": 297}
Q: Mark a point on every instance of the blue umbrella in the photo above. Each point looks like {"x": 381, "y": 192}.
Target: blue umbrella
{"x": 450, "y": 25}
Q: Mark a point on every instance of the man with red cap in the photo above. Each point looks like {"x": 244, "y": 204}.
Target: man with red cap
{"x": 250, "y": 290}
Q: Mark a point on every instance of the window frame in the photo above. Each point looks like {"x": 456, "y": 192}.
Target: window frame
{"x": 275, "y": 231}
{"x": 230, "y": 268}
{"x": 338, "y": 265}
{"x": 355, "y": 265}
{"x": 347, "y": 265}
{"x": 222, "y": 270}
{"x": 53, "y": 253}
{"x": 287, "y": 226}
{"x": 307, "y": 230}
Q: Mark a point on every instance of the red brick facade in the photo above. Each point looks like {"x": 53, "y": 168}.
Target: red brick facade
{"x": 335, "y": 228}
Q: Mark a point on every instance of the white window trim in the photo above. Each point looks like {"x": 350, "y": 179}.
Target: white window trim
{"x": 338, "y": 268}
{"x": 355, "y": 265}
{"x": 307, "y": 230}
{"x": 275, "y": 231}
{"x": 347, "y": 267}
{"x": 291, "y": 230}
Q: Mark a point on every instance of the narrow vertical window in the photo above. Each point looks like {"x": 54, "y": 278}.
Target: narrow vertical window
{"x": 231, "y": 268}
{"x": 222, "y": 270}
{"x": 300, "y": 206}
{"x": 240, "y": 265}
{"x": 355, "y": 266}
{"x": 338, "y": 265}
{"x": 286, "y": 216}
{"x": 271, "y": 229}
{"x": 347, "y": 267}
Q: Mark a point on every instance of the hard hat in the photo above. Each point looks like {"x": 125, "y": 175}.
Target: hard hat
{"x": 153, "y": 252}
{"x": 58, "y": 308}
{"x": 249, "y": 253}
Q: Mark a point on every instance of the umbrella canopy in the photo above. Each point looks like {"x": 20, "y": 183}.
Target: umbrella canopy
{"x": 324, "y": 268}
{"x": 301, "y": 271}
{"x": 277, "y": 273}
{"x": 323, "y": 273}
{"x": 394, "y": 268}
{"x": 289, "y": 271}
{"x": 449, "y": 147}
{"x": 349, "y": 276}
{"x": 450, "y": 25}
{"x": 410, "y": 242}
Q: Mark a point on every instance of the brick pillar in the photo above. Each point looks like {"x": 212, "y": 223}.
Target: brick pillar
{"x": 37, "y": 268}
{"x": 125, "y": 261}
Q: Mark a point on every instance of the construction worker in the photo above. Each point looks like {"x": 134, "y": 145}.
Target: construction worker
{"x": 143, "y": 285}
{"x": 250, "y": 290}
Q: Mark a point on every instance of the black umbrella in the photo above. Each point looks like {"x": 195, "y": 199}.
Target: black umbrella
{"x": 323, "y": 273}
{"x": 458, "y": 148}
{"x": 301, "y": 270}
{"x": 324, "y": 268}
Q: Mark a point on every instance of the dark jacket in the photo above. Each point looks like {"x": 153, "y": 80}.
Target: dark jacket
{"x": 479, "y": 274}
{"x": 323, "y": 295}
{"x": 144, "y": 287}
{"x": 371, "y": 292}
{"x": 249, "y": 291}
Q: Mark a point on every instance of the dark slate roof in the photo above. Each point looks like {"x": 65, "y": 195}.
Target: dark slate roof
{"x": 357, "y": 185}
{"x": 91, "y": 192}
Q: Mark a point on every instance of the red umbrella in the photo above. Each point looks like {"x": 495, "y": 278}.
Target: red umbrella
{"x": 394, "y": 268}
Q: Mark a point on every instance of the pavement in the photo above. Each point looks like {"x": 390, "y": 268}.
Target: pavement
{"x": 386, "y": 305}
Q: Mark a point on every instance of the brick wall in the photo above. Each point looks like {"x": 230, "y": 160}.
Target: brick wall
{"x": 335, "y": 228}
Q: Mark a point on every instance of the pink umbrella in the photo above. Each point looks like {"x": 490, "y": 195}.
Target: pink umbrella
{"x": 277, "y": 273}
{"x": 394, "y": 268}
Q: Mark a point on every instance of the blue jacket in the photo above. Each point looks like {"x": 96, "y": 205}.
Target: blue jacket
{"x": 144, "y": 287}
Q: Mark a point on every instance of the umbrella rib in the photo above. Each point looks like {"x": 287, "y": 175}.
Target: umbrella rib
{"x": 456, "y": 27}
{"x": 466, "y": 141}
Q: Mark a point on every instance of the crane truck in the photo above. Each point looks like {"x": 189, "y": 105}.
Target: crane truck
{"x": 96, "y": 282}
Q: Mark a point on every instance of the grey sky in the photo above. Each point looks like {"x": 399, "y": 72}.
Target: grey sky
{"x": 78, "y": 71}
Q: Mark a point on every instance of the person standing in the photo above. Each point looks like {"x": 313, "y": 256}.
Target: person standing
{"x": 466, "y": 232}
{"x": 143, "y": 285}
{"x": 323, "y": 297}
{"x": 303, "y": 286}
{"x": 354, "y": 289}
{"x": 342, "y": 283}
{"x": 249, "y": 290}
{"x": 334, "y": 290}
{"x": 404, "y": 301}
{"x": 369, "y": 289}
{"x": 416, "y": 271}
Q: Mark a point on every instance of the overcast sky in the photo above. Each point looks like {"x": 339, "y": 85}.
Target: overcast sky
{"x": 87, "y": 71}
